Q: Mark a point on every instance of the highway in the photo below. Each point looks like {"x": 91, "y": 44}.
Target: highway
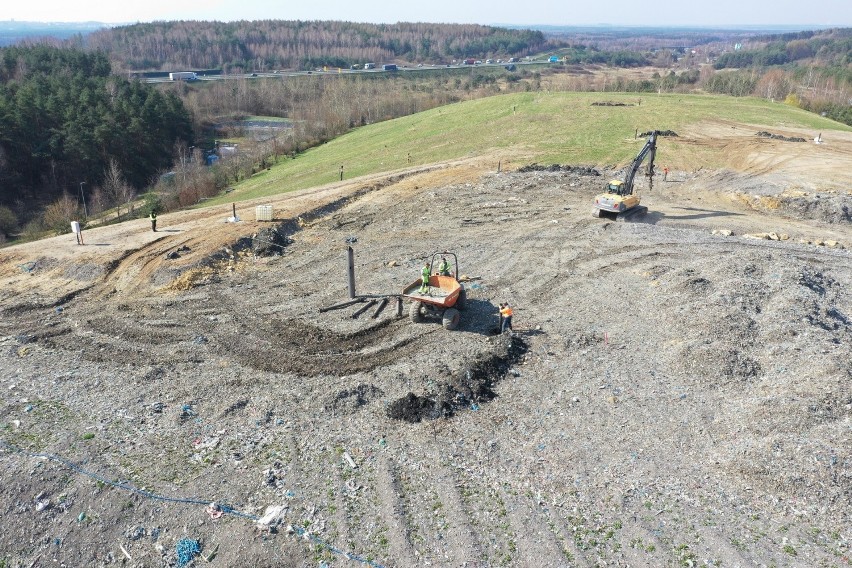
{"x": 341, "y": 71}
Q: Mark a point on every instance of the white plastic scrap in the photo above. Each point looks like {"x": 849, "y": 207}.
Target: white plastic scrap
{"x": 273, "y": 515}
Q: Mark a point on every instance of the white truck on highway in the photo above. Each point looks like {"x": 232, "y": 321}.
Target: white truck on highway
{"x": 183, "y": 76}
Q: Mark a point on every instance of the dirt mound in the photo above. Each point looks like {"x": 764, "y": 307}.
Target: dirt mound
{"x": 670, "y": 133}
{"x": 270, "y": 241}
{"x": 765, "y": 134}
{"x": 579, "y": 170}
{"x": 471, "y": 387}
{"x": 833, "y": 209}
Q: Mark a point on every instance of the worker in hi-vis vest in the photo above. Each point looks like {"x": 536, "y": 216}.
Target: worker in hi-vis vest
{"x": 425, "y": 273}
{"x": 506, "y": 317}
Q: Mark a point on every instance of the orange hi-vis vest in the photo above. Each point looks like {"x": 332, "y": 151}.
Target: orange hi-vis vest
{"x": 506, "y": 312}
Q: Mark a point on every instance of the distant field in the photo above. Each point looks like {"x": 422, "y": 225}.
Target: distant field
{"x": 529, "y": 127}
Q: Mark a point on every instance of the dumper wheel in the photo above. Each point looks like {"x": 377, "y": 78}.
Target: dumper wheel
{"x": 452, "y": 317}
{"x": 596, "y": 213}
{"x": 461, "y": 302}
{"x": 416, "y": 311}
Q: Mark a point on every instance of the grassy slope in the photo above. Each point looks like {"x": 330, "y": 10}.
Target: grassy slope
{"x": 543, "y": 127}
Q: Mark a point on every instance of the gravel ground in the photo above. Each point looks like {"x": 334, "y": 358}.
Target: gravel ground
{"x": 671, "y": 396}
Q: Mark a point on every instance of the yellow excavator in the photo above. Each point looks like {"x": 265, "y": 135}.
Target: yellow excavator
{"x": 619, "y": 200}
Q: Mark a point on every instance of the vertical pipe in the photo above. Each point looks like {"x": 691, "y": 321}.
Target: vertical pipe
{"x": 351, "y": 271}
{"x": 399, "y": 305}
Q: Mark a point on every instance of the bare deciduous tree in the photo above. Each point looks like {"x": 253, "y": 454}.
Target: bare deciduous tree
{"x": 118, "y": 191}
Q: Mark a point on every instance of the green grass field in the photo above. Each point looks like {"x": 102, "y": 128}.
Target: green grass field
{"x": 529, "y": 127}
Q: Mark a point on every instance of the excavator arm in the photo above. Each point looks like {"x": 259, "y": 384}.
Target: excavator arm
{"x": 648, "y": 151}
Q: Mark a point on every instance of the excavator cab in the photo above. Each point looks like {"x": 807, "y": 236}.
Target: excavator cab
{"x": 615, "y": 186}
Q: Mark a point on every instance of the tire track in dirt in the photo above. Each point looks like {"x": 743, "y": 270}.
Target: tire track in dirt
{"x": 392, "y": 508}
{"x": 460, "y": 544}
{"x": 532, "y": 535}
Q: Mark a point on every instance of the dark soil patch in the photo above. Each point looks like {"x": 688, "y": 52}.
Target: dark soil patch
{"x": 348, "y": 401}
{"x": 765, "y": 134}
{"x": 290, "y": 346}
{"x": 269, "y": 241}
{"x": 473, "y": 385}
{"x": 611, "y": 104}
{"x": 580, "y": 170}
{"x": 670, "y": 133}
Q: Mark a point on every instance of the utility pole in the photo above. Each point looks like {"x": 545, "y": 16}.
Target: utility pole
{"x": 83, "y": 198}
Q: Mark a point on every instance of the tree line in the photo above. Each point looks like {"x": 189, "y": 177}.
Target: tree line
{"x": 66, "y": 120}
{"x": 293, "y": 45}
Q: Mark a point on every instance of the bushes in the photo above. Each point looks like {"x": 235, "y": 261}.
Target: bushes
{"x": 735, "y": 83}
{"x": 8, "y": 223}
{"x": 58, "y": 215}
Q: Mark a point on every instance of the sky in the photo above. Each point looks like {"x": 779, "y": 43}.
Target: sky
{"x": 660, "y": 13}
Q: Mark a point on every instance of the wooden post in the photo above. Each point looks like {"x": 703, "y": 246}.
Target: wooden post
{"x": 234, "y": 210}
{"x": 499, "y": 163}
{"x": 351, "y": 271}
{"x": 399, "y": 305}
{"x": 341, "y": 173}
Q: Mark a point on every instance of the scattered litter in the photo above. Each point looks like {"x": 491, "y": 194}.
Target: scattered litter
{"x": 81, "y": 517}
{"x": 124, "y": 550}
{"x": 186, "y": 411}
{"x": 212, "y": 554}
{"x": 134, "y": 533}
{"x": 349, "y": 460}
{"x": 272, "y": 516}
{"x": 474, "y": 406}
{"x": 352, "y": 240}
{"x": 214, "y": 510}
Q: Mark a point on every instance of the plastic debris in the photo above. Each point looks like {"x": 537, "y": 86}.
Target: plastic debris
{"x": 272, "y": 517}
{"x": 187, "y": 549}
{"x": 349, "y": 460}
{"x": 214, "y": 510}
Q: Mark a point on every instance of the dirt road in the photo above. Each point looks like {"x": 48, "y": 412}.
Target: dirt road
{"x": 674, "y": 395}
